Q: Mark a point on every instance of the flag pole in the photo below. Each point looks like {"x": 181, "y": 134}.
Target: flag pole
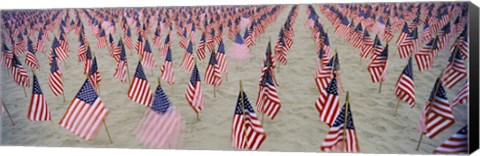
{"x": 345, "y": 119}
{"x": 108, "y": 133}
{"x": 396, "y": 110}
{"x": 198, "y": 115}
{"x": 24, "y": 91}
{"x": 53, "y": 127}
{"x": 437, "y": 86}
{"x": 6, "y": 110}
{"x": 243, "y": 112}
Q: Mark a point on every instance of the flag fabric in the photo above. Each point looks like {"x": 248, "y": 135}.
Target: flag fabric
{"x": 121, "y": 68}
{"x": 111, "y": 45}
{"x": 167, "y": 68}
{"x": 55, "y": 80}
{"x": 39, "y": 45}
{"x": 212, "y": 73}
{"x": 19, "y": 46}
{"x": 405, "y": 86}
{"x": 281, "y": 49}
{"x": 404, "y": 42}
{"x": 238, "y": 50}
{"x": 462, "y": 95}
{"x": 377, "y": 67}
{"x": 148, "y": 61}
{"x": 188, "y": 58}
{"x": 85, "y": 113}
{"x": 127, "y": 39}
{"x": 424, "y": 57}
{"x": 194, "y": 93}
{"x": 247, "y": 130}
{"x": 140, "y": 45}
{"x": 162, "y": 125}
{"x": 19, "y": 74}
{"x": 94, "y": 74}
{"x": 201, "y": 48}
{"x": 139, "y": 90}
{"x": 184, "y": 39}
{"x": 59, "y": 51}
{"x": 101, "y": 39}
{"x": 367, "y": 47}
{"x": 268, "y": 101}
{"x": 88, "y": 61}
{"x": 457, "y": 143}
{"x": 342, "y": 136}
{"x": 327, "y": 104}
{"x": 82, "y": 50}
{"x": 210, "y": 41}
{"x": 455, "y": 71}
{"x": 221, "y": 57}
{"x": 7, "y": 56}
{"x": 437, "y": 114}
{"x": 38, "y": 109}
{"x": 166, "y": 45}
{"x": 30, "y": 58}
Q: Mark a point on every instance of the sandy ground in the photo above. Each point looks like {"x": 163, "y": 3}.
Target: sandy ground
{"x": 296, "y": 128}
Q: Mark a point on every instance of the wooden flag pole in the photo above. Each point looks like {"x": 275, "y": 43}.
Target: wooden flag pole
{"x": 53, "y": 127}
{"x": 437, "y": 86}
{"x": 380, "y": 86}
{"x": 345, "y": 119}
{"x": 6, "y": 110}
{"x": 24, "y": 91}
{"x": 243, "y": 112}
{"x": 64, "y": 100}
{"x": 396, "y": 110}
{"x": 108, "y": 133}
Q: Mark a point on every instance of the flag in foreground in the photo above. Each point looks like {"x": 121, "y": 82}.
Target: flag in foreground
{"x": 38, "y": 110}
{"x": 342, "y": 135}
{"x": 457, "y": 143}
{"x": 247, "y": 131}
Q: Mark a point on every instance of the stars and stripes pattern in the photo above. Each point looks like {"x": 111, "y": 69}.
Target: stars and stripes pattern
{"x": 85, "y": 113}
{"x": 404, "y": 42}
{"x": 19, "y": 74}
{"x": 462, "y": 95}
{"x": 94, "y": 74}
{"x": 201, "y": 48}
{"x": 161, "y": 125}
{"x": 212, "y": 73}
{"x": 121, "y": 68}
{"x": 139, "y": 90}
{"x": 455, "y": 71}
{"x": 30, "y": 58}
{"x": 188, "y": 58}
{"x": 377, "y": 67}
{"x": 247, "y": 130}
{"x": 268, "y": 101}
{"x": 148, "y": 61}
{"x": 342, "y": 136}
{"x": 167, "y": 68}
{"x": 405, "y": 86}
{"x": 194, "y": 93}
{"x": 238, "y": 50}
{"x": 38, "y": 109}
{"x": 221, "y": 58}
{"x": 101, "y": 39}
{"x": 55, "y": 79}
{"x": 328, "y": 104}
{"x": 456, "y": 144}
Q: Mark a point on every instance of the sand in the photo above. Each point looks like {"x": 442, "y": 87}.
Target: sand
{"x": 296, "y": 128}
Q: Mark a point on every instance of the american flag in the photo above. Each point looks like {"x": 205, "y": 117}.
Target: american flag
{"x": 377, "y": 46}
{"x": 111, "y": 44}
{"x": 63, "y": 43}
{"x": 148, "y": 61}
{"x": 462, "y": 43}
{"x": 201, "y": 48}
{"x": 88, "y": 61}
{"x": 462, "y": 95}
{"x": 367, "y": 45}
{"x": 140, "y": 45}
{"x": 425, "y": 56}
{"x": 127, "y": 39}
{"x": 212, "y": 73}
{"x": 82, "y": 50}
{"x": 342, "y": 135}
{"x": 281, "y": 49}
{"x": 39, "y": 46}
{"x": 161, "y": 125}
{"x": 268, "y": 101}
{"x": 59, "y": 51}
{"x": 167, "y": 68}
{"x": 219, "y": 36}
{"x": 238, "y": 50}
{"x": 455, "y": 71}
{"x": 157, "y": 39}
{"x": 20, "y": 76}
{"x": 121, "y": 68}
{"x": 457, "y": 143}
{"x": 388, "y": 34}
{"x": 55, "y": 80}
{"x": 166, "y": 45}
{"x": 101, "y": 39}
{"x": 247, "y": 131}
{"x": 94, "y": 74}
{"x": 405, "y": 86}
{"x": 188, "y": 58}
{"x": 139, "y": 90}
{"x": 7, "y": 56}
{"x": 248, "y": 39}
{"x": 194, "y": 93}
{"x": 85, "y": 113}
{"x": 184, "y": 39}
{"x": 211, "y": 41}
{"x": 377, "y": 67}
{"x": 437, "y": 114}
{"x": 444, "y": 35}
{"x": 19, "y": 46}
{"x": 192, "y": 35}
{"x": 404, "y": 42}
{"x": 324, "y": 72}
{"x": 31, "y": 59}
{"x": 426, "y": 33}
{"x": 328, "y": 103}
{"x": 221, "y": 58}
{"x": 38, "y": 109}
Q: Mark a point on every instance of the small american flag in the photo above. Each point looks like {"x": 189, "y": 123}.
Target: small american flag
{"x": 167, "y": 68}
{"x": 188, "y": 58}
{"x": 31, "y": 59}
{"x": 88, "y": 61}
{"x": 328, "y": 103}
{"x": 139, "y": 90}
{"x": 404, "y": 42}
{"x": 184, "y": 39}
{"x": 426, "y": 33}
{"x": 55, "y": 80}
{"x": 247, "y": 131}
{"x": 140, "y": 45}
{"x": 148, "y": 61}
{"x": 268, "y": 101}
{"x": 121, "y": 68}
{"x": 63, "y": 43}
{"x": 201, "y": 48}
{"x": 377, "y": 46}
{"x": 437, "y": 114}
{"x": 457, "y": 143}
{"x": 19, "y": 47}
{"x": 166, "y": 45}
{"x": 20, "y": 76}
{"x": 161, "y": 126}
{"x": 82, "y": 50}
{"x": 404, "y": 88}
{"x": 101, "y": 39}
{"x": 39, "y": 46}
{"x": 111, "y": 45}
{"x": 281, "y": 49}
{"x": 194, "y": 93}
{"x": 157, "y": 39}
{"x": 455, "y": 71}
{"x": 59, "y": 51}
{"x": 38, "y": 109}
{"x": 367, "y": 45}
{"x": 248, "y": 38}
{"x": 210, "y": 41}
{"x": 94, "y": 74}
{"x": 425, "y": 56}
{"x": 127, "y": 39}
{"x": 85, "y": 113}
{"x": 462, "y": 95}
{"x": 221, "y": 58}
{"x": 462, "y": 43}
{"x": 377, "y": 67}
{"x": 388, "y": 34}
{"x": 212, "y": 73}
{"x": 342, "y": 135}
{"x": 7, "y": 56}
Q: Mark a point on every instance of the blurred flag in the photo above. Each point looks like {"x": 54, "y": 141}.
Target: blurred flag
{"x": 148, "y": 61}
{"x": 55, "y": 80}
{"x": 462, "y": 95}
{"x": 377, "y": 67}
{"x": 188, "y": 58}
{"x": 30, "y": 58}
{"x": 212, "y": 73}
{"x": 20, "y": 76}
{"x": 456, "y": 144}
{"x": 221, "y": 58}
{"x": 38, "y": 109}
{"x": 194, "y": 93}
{"x": 167, "y": 68}
{"x": 238, "y": 50}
